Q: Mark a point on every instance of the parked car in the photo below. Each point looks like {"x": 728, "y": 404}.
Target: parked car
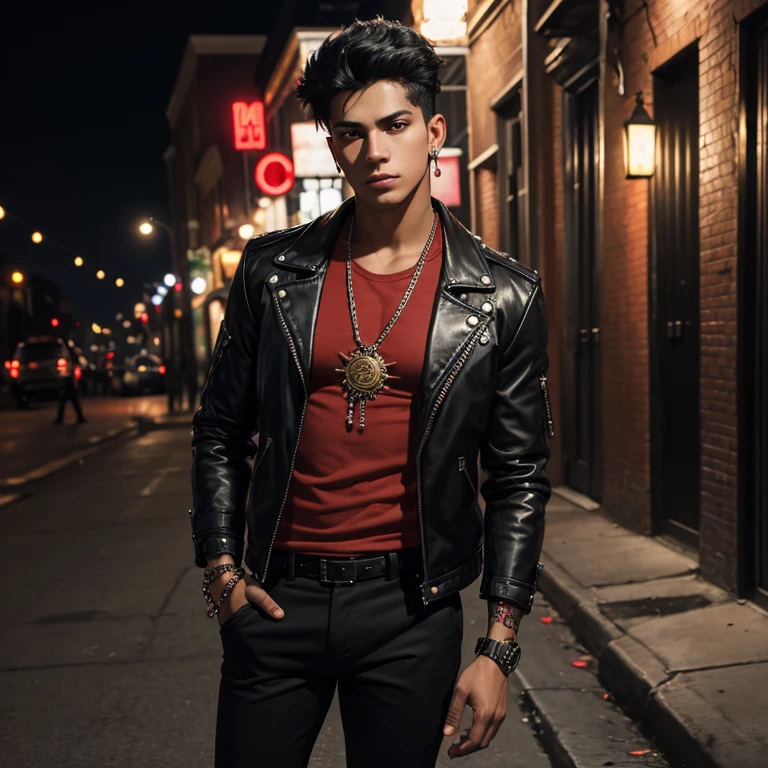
{"x": 39, "y": 369}
{"x": 139, "y": 374}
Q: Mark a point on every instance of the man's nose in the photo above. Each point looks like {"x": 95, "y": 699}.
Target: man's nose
{"x": 376, "y": 150}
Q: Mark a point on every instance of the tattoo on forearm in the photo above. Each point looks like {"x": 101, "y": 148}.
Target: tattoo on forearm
{"x": 506, "y": 614}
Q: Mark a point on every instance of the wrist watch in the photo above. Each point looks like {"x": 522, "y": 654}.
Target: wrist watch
{"x": 505, "y": 654}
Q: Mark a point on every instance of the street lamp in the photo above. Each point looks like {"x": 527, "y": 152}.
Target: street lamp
{"x": 119, "y": 282}
{"x": 17, "y": 277}
{"x": 169, "y": 280}
{"x": 101, "y": 274}
{"x": 146, "y": 228}
{"x": 639, "y": 142}
{"x": 78, "y": 261}
{"x": 37, "y": 237}
{"x": 96, "y": 328}
{"x": 2, "y": 212}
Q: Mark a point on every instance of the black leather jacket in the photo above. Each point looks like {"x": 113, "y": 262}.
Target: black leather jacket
{"x": 483, "y": 391}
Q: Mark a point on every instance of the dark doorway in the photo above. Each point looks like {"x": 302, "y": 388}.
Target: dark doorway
{"x": 753, "y": 301}
{"x": 582, "y": 424}
{"x": 512, "y": 190}
{"x": 674, "y": 293}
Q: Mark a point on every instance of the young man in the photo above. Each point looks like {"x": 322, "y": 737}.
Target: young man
{"x": 376, "y": 352}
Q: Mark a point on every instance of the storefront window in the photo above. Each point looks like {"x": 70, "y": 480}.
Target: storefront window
{"x": 318, "y": 196}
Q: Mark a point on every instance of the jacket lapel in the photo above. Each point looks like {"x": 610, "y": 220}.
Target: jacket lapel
{"x": 296, "y": 283}
{"x": 454, "y": 319}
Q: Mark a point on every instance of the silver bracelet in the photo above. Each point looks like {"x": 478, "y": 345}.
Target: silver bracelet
{"x": 213, "y": 608}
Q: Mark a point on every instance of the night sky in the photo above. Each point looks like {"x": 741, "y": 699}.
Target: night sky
{"x": 82, "y": 135}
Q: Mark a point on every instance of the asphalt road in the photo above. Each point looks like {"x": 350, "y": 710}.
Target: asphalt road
{"x": 107, "y": 657}
{"x": 29, "y": 439}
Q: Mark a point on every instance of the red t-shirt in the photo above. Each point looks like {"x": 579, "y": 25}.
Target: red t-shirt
{"x": 354, "y": 492}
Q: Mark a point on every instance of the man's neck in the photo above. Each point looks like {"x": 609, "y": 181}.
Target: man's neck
{"x": 393, "y": 232}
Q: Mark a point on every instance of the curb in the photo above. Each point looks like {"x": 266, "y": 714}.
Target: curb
{"x": 636, "y": 678}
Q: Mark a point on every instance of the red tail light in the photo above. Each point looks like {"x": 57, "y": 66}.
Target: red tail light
{"x": 162, "y": 370}
{"x": 61, "y": 363}
{"x": 78, "y": 373}
{"x": 15, "y": 364}
{"x": 14, "y": 373}
{"x": 7, "y": 364}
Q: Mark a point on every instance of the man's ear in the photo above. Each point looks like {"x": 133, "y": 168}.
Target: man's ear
{"x": 329, "y": 139}
{"x": 437, "y": 131}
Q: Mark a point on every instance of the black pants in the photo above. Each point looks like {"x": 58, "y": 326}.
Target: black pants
{"x": 395, "y": 662}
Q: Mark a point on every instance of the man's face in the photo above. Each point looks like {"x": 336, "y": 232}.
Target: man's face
{"x": 382, "y": 143}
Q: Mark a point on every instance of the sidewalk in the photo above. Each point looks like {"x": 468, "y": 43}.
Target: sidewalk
{"x": 682, "y": 657}
{"x": 32, "y": 447}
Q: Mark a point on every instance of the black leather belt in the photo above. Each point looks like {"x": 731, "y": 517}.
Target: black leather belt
{"x": 347, "y": 570}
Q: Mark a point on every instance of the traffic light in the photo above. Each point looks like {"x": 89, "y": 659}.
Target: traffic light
{"x": 55, "y": 322}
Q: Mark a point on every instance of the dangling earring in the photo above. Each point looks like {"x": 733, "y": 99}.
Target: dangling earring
{"x": 330, "y": 146}
{"x": 438, "y": 172}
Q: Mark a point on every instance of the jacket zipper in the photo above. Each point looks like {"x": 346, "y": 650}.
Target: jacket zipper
{"x": 440, "y": 398}
{"x": 220, "y": 351}
{"x": 292, "y": 346}
{"x": 547, "y": 405}
{"x": 261, "y": 458}
{"x": 463, "y": 469}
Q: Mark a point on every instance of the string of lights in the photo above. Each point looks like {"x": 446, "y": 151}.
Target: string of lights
{"x": 37, "y": 237}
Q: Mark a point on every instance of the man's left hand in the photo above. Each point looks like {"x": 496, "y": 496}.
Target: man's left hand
{"x": 483, "y": 686}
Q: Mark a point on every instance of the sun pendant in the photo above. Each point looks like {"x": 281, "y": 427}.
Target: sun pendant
{"x": 365, "y": 376}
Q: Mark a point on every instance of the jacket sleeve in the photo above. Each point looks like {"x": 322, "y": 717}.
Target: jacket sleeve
{"x": 222, "y": 430}
{"x": 514, "y": 455}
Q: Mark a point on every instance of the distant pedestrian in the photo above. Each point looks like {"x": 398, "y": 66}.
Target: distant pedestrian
{"x": 69, "y": 392}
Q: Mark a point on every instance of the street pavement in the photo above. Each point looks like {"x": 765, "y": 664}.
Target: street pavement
{"x": 107, "y": 657}
{"x": 29, "y": 439}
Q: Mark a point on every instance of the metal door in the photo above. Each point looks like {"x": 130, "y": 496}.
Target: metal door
{"x": 582, "y": 429}
{"x": 675, "y": 483}
{"x": 753, "y": 328}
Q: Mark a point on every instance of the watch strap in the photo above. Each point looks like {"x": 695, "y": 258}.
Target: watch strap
{"x": 505, "y": 653}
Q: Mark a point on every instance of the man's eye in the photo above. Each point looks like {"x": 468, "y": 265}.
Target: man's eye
{"x": 350, "y": 134}
{"x": 398, "y": 126}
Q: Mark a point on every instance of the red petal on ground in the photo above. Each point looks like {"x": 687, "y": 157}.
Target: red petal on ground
{"x": 640, "y": 752}
{"x": 606, "y": 696}
{"x": 579, "y": 663}
{"x": 546, "y": 619}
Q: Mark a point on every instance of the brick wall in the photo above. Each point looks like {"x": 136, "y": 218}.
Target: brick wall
{"x": 710, "y": 26}
{"x": 495, "y": 59}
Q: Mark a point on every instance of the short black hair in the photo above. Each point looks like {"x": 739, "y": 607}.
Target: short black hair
{"x": 367, "y": 52}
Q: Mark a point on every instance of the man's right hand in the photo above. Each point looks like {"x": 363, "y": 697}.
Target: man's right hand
{"x": 246, "y": 590}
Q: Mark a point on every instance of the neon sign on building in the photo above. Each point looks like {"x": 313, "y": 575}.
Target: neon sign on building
{"x": 250, "y": 131}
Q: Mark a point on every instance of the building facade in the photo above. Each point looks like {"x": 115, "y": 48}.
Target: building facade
{"x": 216, "y": 139}
{"x": 655, "y": 286}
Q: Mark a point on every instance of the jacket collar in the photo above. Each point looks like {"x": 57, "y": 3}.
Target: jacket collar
{"x": 464, "y": 264}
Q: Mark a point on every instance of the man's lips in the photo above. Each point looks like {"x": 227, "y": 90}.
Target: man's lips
{"x": 381, "y": 181}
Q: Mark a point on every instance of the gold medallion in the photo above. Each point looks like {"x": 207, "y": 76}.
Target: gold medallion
{"x": 365, "y": 376}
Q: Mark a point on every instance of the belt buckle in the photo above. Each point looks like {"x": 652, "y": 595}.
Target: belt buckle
{"x": 324, "y": 575}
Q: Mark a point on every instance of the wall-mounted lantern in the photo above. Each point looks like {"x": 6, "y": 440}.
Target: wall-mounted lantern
{"x": 639, "y": 143}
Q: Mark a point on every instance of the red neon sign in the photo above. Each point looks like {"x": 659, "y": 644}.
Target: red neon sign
{"x": 250, "y": 131}
{"x": 274, "y": 174}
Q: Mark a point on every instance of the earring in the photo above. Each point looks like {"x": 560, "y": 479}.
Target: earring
{"x": 330, "y": 146}
{"x": 437, "y": 171}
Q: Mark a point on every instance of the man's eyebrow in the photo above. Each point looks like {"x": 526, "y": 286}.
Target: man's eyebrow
{"x": 381, "y": 121}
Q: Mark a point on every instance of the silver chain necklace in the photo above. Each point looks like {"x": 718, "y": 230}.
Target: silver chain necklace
{"x": 365, "y": 372}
